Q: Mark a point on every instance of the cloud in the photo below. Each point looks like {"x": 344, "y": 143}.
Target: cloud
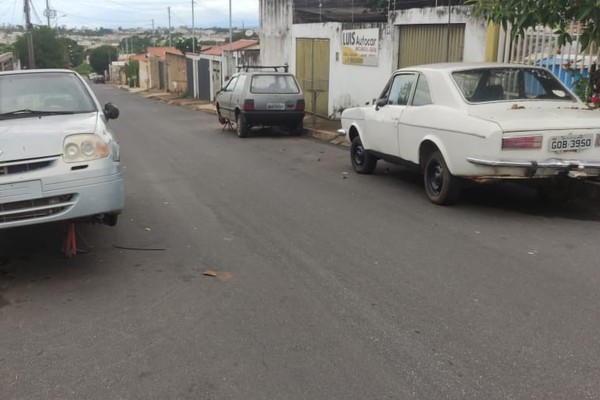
{"x": 134, "y": 13}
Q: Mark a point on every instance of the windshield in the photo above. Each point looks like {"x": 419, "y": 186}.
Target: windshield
{"x": 44, "y": 92}
{"x": 271, "y": 83}
{"x": 502, "y": 84}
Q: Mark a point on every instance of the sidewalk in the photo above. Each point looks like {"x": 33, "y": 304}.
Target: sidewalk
{"x": 320, "y": 128}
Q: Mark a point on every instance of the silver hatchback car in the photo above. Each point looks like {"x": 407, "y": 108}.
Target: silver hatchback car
{"x": 265, "y": 98}
{"x": 59, "y": 160}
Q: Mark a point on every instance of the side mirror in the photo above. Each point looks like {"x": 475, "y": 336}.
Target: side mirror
{"x": 111, "y": 111}
{"x": 381, "y": 103}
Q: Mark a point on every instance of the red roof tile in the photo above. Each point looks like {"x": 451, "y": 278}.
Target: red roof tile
{"x": 139, "y": 57}
{"x": 161, "y": 51}
{"x": 235, "y": 46}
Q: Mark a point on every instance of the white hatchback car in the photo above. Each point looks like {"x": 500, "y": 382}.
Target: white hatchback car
{"x": 478, "y": 122}
{"x": 59, "y": 160}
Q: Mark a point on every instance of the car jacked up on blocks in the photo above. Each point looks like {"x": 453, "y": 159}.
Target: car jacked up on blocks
{"x": 478, "y": 122}
{"x": 261, "y": 96}
{"x": 58, "y": 159}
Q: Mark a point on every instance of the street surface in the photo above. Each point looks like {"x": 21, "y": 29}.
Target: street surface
{"x": 329, "y": 285}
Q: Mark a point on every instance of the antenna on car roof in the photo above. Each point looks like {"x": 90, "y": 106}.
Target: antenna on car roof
{"x": 246, "y": 68}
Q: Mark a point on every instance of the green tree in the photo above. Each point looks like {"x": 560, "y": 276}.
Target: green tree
{"x": 83, "y": 69}
{"x": 558, "y": 14}
{"x": 74, "y": 53}
{"x": 185, "y": 45}
{"x": 135, "y": 44}
{"x": 5, "y": 48}
{"x": 132, "y": 71}
{"x": 100, "y": 58}
{"x": 48, "y": 50}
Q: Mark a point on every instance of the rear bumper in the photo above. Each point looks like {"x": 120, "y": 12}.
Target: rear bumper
{"x": 541, "y": 169}
{"x": 274, "y": 117}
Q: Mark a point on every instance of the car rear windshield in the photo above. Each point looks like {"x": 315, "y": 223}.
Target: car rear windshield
{"x": 44, "y": 91}
{"x": 506, "y": 84}
{"x": 275, "y": 84}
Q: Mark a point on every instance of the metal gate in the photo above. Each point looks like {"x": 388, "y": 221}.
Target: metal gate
{"x": 204, "y": 79}
{"x": 425, "y": 44}
{"x": 189, "y": 69}
{"x": 312, "y": 72}
{"x": 161, "y": 75}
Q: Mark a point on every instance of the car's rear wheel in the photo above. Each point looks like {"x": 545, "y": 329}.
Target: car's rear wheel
{"x": 363, "y": 162}
{"x": 440, "y": 185}
{"x": 242, "y": 126}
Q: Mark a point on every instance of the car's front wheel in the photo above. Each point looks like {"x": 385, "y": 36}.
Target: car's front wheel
{"x": 363, "y": 162}
{"x": 440, "y": 185}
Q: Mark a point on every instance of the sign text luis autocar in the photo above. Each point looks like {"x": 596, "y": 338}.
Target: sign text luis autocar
{"x": 360, "y": 47}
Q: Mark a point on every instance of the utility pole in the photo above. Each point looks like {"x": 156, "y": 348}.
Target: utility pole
{"x": 170, "y": 43}
{"x": 153, "y": 37}
{"x": 230, "y": 28}
{"x": 29, "y": 35}
{"x": 48, "y": 12}
{"x": 448, "y": 30}
{"x": 193, "y": 33}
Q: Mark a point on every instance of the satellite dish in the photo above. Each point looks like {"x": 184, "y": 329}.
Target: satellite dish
{"x": 249, "y": 32}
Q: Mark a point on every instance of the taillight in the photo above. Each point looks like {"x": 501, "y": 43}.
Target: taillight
{"x": 522, "y": 142}
{"x": 248, "y": 105}
{"x": 300, "y": 105}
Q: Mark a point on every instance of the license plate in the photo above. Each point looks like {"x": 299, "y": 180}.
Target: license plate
{"x": 571, "y": 142}
{"x": 20, "y": 191}
{"x": 275, "y": 106}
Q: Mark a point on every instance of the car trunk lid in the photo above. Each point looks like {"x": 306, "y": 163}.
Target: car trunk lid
{"x": 524, "y": 117}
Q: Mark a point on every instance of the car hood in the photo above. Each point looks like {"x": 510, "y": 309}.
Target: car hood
{"x": 36, "y": 137}
{"x": 535, "y": 117}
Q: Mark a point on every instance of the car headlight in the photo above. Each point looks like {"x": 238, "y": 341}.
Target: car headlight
{"x": 84, "y": 147}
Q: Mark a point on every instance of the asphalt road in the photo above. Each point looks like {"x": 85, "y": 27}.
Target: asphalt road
{"x": 329, "y": 285}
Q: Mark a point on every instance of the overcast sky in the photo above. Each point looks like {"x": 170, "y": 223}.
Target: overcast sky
{"x": 134, "y": 13}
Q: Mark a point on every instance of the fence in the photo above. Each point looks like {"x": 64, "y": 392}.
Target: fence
{"x": 539, "y": 46}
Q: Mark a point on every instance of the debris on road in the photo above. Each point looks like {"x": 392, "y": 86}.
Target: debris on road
{"x": 139, "y": 248}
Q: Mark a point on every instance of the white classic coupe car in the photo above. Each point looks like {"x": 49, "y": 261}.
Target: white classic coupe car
{"x": 479, "y": 122}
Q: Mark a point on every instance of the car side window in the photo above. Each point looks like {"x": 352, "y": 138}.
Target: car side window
{"x": 400, "y": 89}
{"x": 239, "y": 86}
{"x": 231, "y": 84}
{"x": 422, "y": 94}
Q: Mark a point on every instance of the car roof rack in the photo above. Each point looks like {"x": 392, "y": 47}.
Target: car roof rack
{"x": 246, "y": 68}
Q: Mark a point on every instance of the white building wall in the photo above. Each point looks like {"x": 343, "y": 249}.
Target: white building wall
{"x": 475, "y": 29}
{"x": 349, "y": 85}
{"x": 144, "y": 78}
{"x": 276, "y": 19}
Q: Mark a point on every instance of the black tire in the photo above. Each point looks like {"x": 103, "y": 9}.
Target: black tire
{"x": 363, "y": 162}
{"x": 440, "y": 185}
{"x": 297, "y": 129}
{"x": 241, "y": 126}
{"x": 222, "y": 120}
{"x": 111, "y": 219}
